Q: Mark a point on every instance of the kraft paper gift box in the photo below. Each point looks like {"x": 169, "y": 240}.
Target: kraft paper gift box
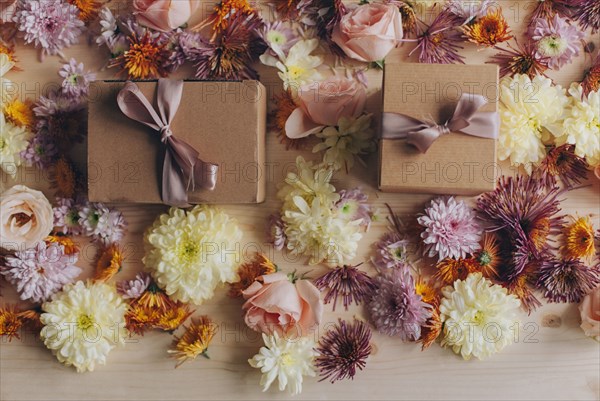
{"x": 456, "y": 163}
{"x": 225, "y": 122}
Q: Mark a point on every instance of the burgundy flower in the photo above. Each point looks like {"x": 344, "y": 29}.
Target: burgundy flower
{"x": 348, "y": 283}
{"x": 567, "y": 280}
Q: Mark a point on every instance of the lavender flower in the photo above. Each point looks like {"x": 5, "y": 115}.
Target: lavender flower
{"x": 353, "y": 206}
{"x": 557, "y": 41}
{"x": 133, "y": 289}
{"x": 50, "y": 24}
{"x": 66, "y": 216}
{"x": 41, "y": 152}
{"x": 76, "y": 82}
{"x": 451, "y": 230}
{"x": 567, "y": 280}
{"x": 276, "y": 232}
{"x": 342, "y": 350}
{"x": 279, "y": 37}
{"x": 391, "y": 251}
{"x": 104, "y": 225}
{"x": 349, "y": 283}
{"x": 438, "y": 42}
{"x": 40, "y": 271}
{"x": 395, "y": 307}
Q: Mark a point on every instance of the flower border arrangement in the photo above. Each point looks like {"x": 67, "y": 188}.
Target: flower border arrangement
{"x": 450, "y": 273}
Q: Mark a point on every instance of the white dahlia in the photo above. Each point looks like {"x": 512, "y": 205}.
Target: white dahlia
{"x": 528, "y": 109}
{"x": 287, "y": 360}
{"x": 190, "y": 253}
{"x": 479, "y": 317}
{"x": 83, "y": 323}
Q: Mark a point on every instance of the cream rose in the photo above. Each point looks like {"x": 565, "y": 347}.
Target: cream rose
{"x": 324, "y": 104}
{"x": 590, "y": 314}
{"x": 26, "y": 217}
{"x": 369, "y": 32}
{"x": 165, "y": 15}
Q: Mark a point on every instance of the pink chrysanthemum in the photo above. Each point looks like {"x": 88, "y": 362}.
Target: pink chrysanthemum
{"x": 395, "y": 308}
{"x": 348, "y": 283}
{"x": 76, "y": 81}
{"x": 451, "y": 229}
{"x": 104, "y": 225}
{"x": 276, "y": 232}
{"x": 567, "y": 280}
{"x": 133, "y": 289}
{"x": 587, "y": 13}
{"x": 342, "y": 350}
{"x": 557, "y": 41}
{"x": 39, "y": 272}
{"x": 41, "y": 152}
{"x": 390, "y": 251}
{"x": 438, "y": 43}
{"x": 49, "y": 24}
{"x": 353, "y": 205}
{"x": 66, "y": 217}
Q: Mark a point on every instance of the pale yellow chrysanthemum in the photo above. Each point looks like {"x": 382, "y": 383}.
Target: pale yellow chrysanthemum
{"x": 6, "y": 64}
{"x": 581, "y": 125}
{"x": 299, "y": 67}
{"x": 285, "y": 360}
{"x": 479, "y": 317}
{"x": 528, "y": 109}
{"x": 190, "y": 253}
{"x": 351, "y": 138}
{"x": 83, "y": 323}
{"x": 13, "y": 140}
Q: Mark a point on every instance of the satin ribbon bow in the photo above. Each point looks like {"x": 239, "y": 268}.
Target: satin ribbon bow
{"x": 183, "y": 170}
{"x": 466, "y": 119}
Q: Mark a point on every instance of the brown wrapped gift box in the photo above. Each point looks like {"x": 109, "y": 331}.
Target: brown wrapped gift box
{"x": 456, "y": 164}
{"x": 224, "y": 121}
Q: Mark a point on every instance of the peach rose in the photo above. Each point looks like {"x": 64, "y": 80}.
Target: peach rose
{"x": 323, "y": 104}
{"x": 165, "y": 15}
{"x": 26, "y": 217}
{"x": 369, "y": 32}
{"x": 275, "y": 304}
{"x": 590, "y": 314}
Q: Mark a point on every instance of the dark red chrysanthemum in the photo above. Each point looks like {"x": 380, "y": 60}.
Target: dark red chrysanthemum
{"x": 587, "y": 13}
{"x": 347, "y": 282}
{"x": 562, "y": 163}
{"x": 342, "y": 350}
{"x": 567, "y": 280}
{"x": 591, "y": 80}
{"x": 520, "y": 60}
{"x": 549, "y": 8}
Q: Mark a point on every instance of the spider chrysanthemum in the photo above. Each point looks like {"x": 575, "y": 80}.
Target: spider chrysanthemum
{"x": 449, "y": 270}
{"x": 347, "y": 283}
{"x": 145, "y": 58}
{"x": 567, "y": 280}
{"x": 488, "y": 256}
{"x": 194, "y": 342}
{"x": 579, "y": 239}
{"x": 488, "y": 30}
{"x": 562, "y": 164}
{"x": 522, "y": 59}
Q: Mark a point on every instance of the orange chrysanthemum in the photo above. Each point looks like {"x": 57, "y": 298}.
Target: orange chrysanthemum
{"x": 70, "y": 247}
{"x": 520, "y": 288}
{"x": 20, "y": 113}
{"x": 249, "y": 272}
{"x": 579, "y": 239}
{"x": 538, "y": 232}
{"x": 109, "y": 263}
{"x": 88, "y": 9}
{"x": 12, "y": 320}
{"x": 145, "y": 58}
{"x": 194, "y": 341}
{"x": 64, "y": 178}
{"x": 225, "y": 9}
{"x": 450, "y": 270}
{"x": 426, "y": 289}
{"x": 170, "y": 319}
{"x": 489, "y": 257}
{"x": 489, "y": 30}
{"x": 591, "y": 80}
{"x": 409, "y": 17}
{"x": 431, "y": 330}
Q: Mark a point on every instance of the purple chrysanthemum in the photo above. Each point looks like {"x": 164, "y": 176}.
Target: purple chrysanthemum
{"x": 587, "y": 13}
{"x": 391, "y": 251}
{"x": 567, "y": 280}
{"x": 66, "y": 217}
{"x": 438, "y": 43}
{"x": 451, "y": 230}
{"x": 276, "y": 232}
{"x": 41, "y": 271}
{"x": 395, "y": 308}
{"x": 353, "y": 206}
{"x": 342, "y": 350}
{"x": 279, "y": 36}
{"x": 347, "y": 282}
{"x": 557, "y": 41}
{"x": 76, "y": 81}
{"x": 41, "y": 152}
{"x": 59, "y": 117}
{"x": 50, "y": 24}
{"x": 104, "y": 225}
{"x": 133, "y": 289}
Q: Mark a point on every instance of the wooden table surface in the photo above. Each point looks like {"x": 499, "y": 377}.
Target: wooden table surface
{"x": 552, "y": 359}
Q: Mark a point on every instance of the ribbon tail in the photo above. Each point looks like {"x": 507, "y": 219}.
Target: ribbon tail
{"x": 173, "y": 186}
{"x": 196, "y": 172}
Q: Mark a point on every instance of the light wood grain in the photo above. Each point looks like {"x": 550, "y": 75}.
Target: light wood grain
{"x": 545, "y": 363}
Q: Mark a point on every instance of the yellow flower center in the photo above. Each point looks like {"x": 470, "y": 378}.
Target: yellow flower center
{"x": 287, "y": 359}
{"x": 84, "y": 322}
{"x": 189, "y": 251}
{"x": 479, "y": 317}
{"x": 276, "y": 37}
{"x": 2, "y": 144}
{"x": 295, "y": 71}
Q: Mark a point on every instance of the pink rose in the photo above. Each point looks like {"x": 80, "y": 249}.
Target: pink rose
{"x": 275, "y": 304}
{"x": 369, "y": 32}
{"x": 590, "y": 314}
{"x": 26, "y": 218}
{"x": 324, "y": 104}
{"x": 165, "y": 15}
